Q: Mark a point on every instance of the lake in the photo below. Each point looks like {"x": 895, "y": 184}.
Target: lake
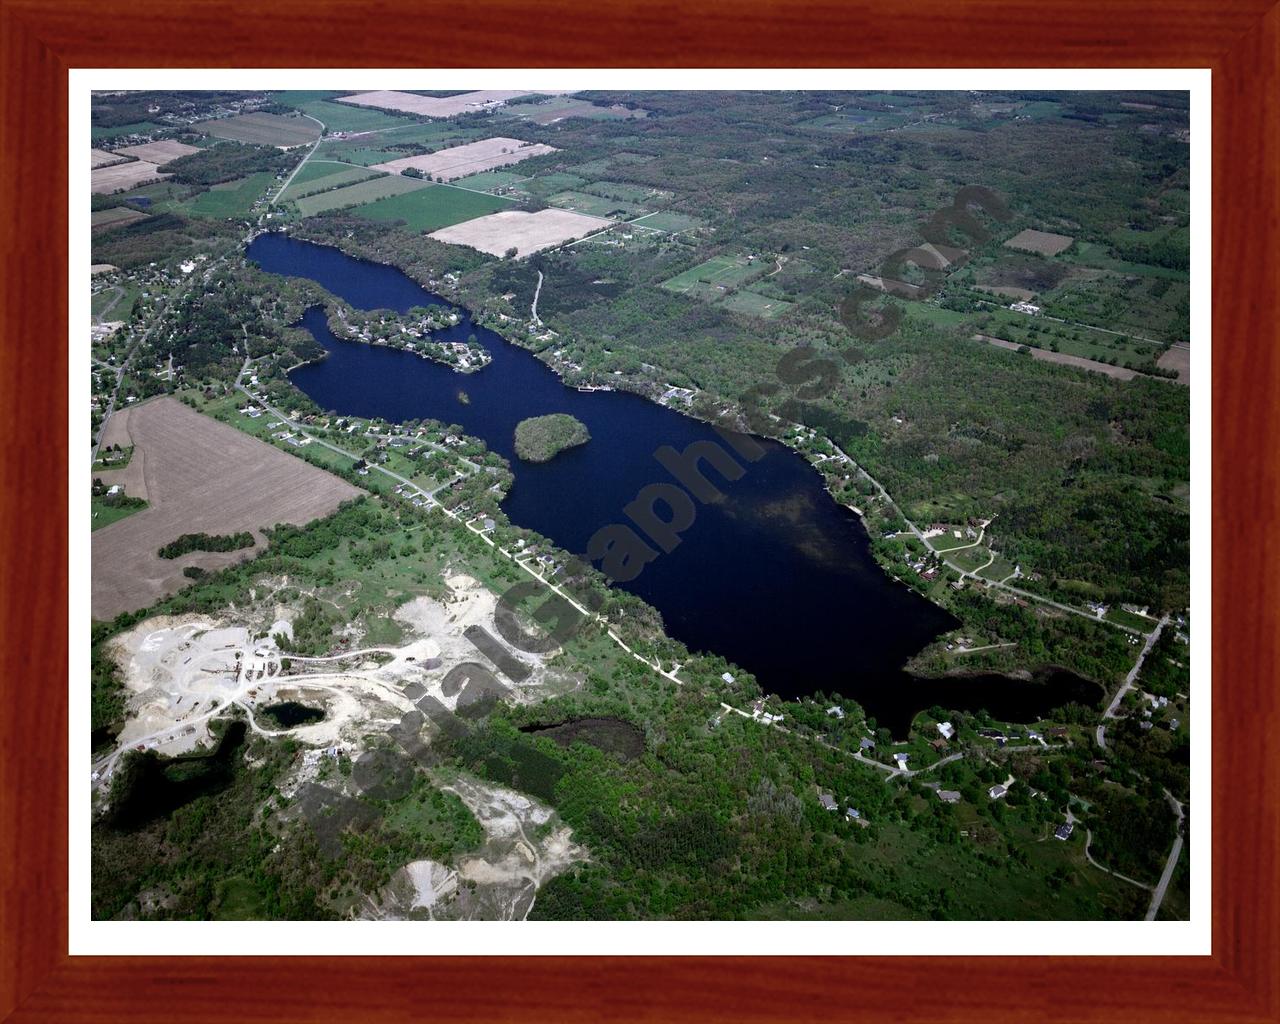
{"x": 776, "y": 576}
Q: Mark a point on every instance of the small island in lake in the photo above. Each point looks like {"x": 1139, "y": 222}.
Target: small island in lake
{"x": 542, "y": 438}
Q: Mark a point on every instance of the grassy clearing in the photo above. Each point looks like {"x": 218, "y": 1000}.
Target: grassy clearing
{"x": 674, "y": 222}
{"x": 1124, "y": 618}
{"x": 104, "y": 514}
{"x": 998, "y": 569}
{"x": 627, "y": 193}
{"x": 969, "y": 559}
{"x": 949, "y": 541}
{"x": 359, "y": 195}
{"x": 137, "y": 128}
{"x": 1094, "y": 254}
{"x": 755, "y": 305}
{"x": 549, "y": 184}
{"x": 486, "y": 181}
{"x": 594, "y": 206}
{"x": 436, "y": 207}
{"x": 231, "y": 199}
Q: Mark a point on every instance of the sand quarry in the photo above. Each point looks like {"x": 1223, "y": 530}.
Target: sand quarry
{"x": 525, "y": 846}
{"x": 182, "y": 672}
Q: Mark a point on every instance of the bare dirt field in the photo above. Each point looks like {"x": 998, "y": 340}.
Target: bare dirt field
{"x": 527, "y": 233}
{"x": 472, "y": 158}
{"x": 265, "y": 129}
{"x": 199, "y": 475}
{"x": 121, "y": 177}
{"x": 159, "y": 152}
{"x": 1178, "y": 358}
{"x": 101, "y": 158}
{"x": 115, "y": 217}
{"x": 433, "y": 106}
{"x": 1043, "y": 242}
{"x": 102, "y": 268}
{"x": 1119, "y": 372}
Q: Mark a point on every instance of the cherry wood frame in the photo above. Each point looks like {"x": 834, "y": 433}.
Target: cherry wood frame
{"x": 40, "y": 39}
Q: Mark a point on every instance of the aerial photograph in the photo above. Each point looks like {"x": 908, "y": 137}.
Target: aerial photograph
{"x": 638, "y": 505}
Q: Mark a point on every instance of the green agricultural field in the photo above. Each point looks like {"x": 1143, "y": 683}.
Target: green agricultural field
{"x": 488, "y": 180}
{"x": 432, "y": 133}
{"x": 436, "y": 207}
{"x": 709, "y": 280}
{"x": 326, "y": 176}
{"x": 594, "y": 206}
{"x": 343, "y": 117}
{"x": 297, "y": 97}
{"x": 673, "y": 222}
{"x": 358, "y": 195}
{"x": 231, "y": 199}
{"x": 264, "y": 129}
{"x": 362, "y": 152}
{"x": 318, "y": 167}
{"x": 755, "y": 305}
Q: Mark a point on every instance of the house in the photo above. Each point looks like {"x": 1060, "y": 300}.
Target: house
{"x": 852, "y": 813}
{"x": 727, "y": 677}
{"x": 1173, "y": 724}
{"x": 997, "y": 792}
{"x": 489, "y": 524}
{"x": 1033, "y": 735}
{"x": 901, "y": 760}
{"x": 828, "y": 802}
{"x": 947, "y": 729}
{"x": 1063, "y": 831}
{"x": 949, "y": 796}
{"x": 1025, "y": 307}
{"x": 836, "y": 711}
{"x": 114, "y": 489}
{"x": 867, "y": 743}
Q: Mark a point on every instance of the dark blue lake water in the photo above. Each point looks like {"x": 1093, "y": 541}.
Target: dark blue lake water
{"x": 777, "y": 576}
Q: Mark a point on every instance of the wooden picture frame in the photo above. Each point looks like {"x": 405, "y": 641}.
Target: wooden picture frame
{"x": 41, "y": 39}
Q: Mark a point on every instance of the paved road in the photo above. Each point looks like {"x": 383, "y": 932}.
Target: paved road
{"x": 943, "y": 554}
{"x": 156, "y": 320}
{"x": 1157, "y": 897}
{"x": 1088, "y": 841}
{"x": 1152, "y": 637}
{"x": 311, "y": 152}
